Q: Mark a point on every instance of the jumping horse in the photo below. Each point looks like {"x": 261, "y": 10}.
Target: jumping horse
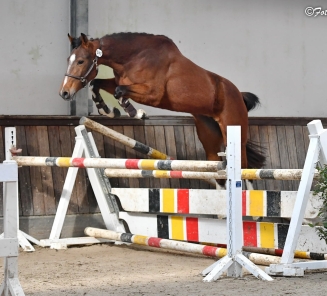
{"x": 150, "y": 70}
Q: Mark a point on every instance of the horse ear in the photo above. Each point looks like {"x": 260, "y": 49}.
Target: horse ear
{"x": 71, "y": 39}
{"x": 84, "y": 39}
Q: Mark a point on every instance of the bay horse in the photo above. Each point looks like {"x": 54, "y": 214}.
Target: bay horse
{"x": 151, "y": 70}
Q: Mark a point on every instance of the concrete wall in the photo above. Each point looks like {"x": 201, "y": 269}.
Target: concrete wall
{"x": 270, "y": 48}
{"x": 34, "y": 48}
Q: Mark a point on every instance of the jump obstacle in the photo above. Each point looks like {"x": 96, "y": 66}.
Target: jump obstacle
{"x": 84, "y": 143}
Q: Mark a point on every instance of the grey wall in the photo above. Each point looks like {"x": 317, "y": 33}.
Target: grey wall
{"x": 34, "y": 48}
{"x": 270, "y": 48}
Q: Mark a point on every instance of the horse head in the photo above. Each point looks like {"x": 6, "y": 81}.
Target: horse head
{"x": 82, "y": 66}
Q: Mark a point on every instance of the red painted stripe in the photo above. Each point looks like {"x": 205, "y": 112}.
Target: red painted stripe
{"x": 183, "y": 205}
{"x": 132, "y": 163}
{"x": 78, "y": 162}
{"x": 154, "y": 242}
{"x": 244, "y": 203}
{"x": 278, "y": 252}
{"x": 176, "y": 174}
{"x": 250, "y": 234}
{"x": 192, "y": 229}
{"x": 209, "y": 251}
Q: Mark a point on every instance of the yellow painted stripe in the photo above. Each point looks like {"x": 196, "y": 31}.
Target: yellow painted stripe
{"x": 301, "y": 254}
{"x": 267, "y": 235}
{"x": 161, "y": 174}
{"x": 221, "y": 252}
{"x": 249, "y": 174}
{"x": 256, "y": 203}
{"x": 63, "y": 161}
{"x": 168, "y": 200}
{"x": 157, "y": 154}
{"x": 177, "y": 229}
{"x": 140, "y": 239}
{"x": 147, "y": 164}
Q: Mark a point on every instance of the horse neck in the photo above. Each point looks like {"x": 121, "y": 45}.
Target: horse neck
{"x": 116, "y": 52}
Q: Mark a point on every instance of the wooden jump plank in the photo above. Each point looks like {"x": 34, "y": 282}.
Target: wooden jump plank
{"x": 200, "y": 155}
{"x": 274, "y": 155}
{"x": 159, "y": 133}
{"x": 130, "y": 153}
{"x": 171, "y": 150}
{"x": 93, "y": 205}
{"x": 24, "y": 177}
{"x": 120, "y": 153}
{"x": 37, "y": 188}
{"x": 255, "y": 137}
{"x": 264, "y": 142}
{"x": 181, "y": 151}
{"x": 46, "y": 174}
{"x": 190, "y": 150}
{"x": 292, "y": 153}
{"x": 151, "y": 141}
{"x": 110, "y": 152}
{"x": 140, "y": 136}
{"x": 80, "y": 187}
{"x": 67, "y": 149}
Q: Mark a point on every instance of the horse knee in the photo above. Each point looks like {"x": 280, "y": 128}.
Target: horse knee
{"x": 120, "y": 91}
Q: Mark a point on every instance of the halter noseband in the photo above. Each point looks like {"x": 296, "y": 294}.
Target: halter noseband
{"x": 83, "y": 80}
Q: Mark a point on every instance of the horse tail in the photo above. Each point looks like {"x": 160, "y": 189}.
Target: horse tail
{"x": 255, "y": 153}
{"x": 251, "y": 100}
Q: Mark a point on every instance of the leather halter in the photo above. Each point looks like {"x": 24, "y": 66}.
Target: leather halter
{"x": 83, "y": 78}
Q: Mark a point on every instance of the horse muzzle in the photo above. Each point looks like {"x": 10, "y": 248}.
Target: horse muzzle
{"x": 66, "y": 95}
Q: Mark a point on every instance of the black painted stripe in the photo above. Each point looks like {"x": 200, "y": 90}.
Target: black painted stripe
{"x": 273, "y": 204}
{"x": 282, "y": 230}
{"x": 126, "y": 237}
{"x": 139, "y": 147}
{"x": 50, "y": 161}
{"x": 164, "y": 165}
{"x": 317, "y": 256}
{"x": 146, "y": 173}
{"x": 266, "y": 174}
{"x": 163, "y": 227}
{"x": 154, "y": 200}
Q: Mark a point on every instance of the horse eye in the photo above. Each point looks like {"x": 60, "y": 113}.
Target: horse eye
{"x": 80, "y": 62}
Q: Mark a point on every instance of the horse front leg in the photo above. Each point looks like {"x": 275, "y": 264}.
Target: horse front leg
{"x": 108, "y": 85}
{"x": 122, "y": 93}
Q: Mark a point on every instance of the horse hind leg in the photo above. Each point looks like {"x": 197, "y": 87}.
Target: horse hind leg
{"x": 211, "y": 138}
{"x": 103, "y": 109}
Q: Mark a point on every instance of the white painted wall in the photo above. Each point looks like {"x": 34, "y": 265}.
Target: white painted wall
{"x": 270, "y": 48}
{"x": 33, "y": 51}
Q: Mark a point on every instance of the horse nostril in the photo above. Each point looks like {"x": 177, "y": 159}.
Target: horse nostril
{"x": 65, "y": 95}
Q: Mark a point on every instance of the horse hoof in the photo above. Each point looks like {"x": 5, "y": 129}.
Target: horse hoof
{"x": 116, "y": 112}
{"x": 141, "y": 114}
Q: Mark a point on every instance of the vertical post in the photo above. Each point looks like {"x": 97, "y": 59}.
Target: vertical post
{"x": 234, "y": 199}
{"x": 315, "y": 129}
{"x": 79, "y": 24}
{"x": 9, "y": 175}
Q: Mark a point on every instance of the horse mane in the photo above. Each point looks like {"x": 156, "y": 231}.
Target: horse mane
{"x": 131, "y": 35}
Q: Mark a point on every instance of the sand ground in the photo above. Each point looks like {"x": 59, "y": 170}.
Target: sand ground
{"x": 109, "y": 269}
